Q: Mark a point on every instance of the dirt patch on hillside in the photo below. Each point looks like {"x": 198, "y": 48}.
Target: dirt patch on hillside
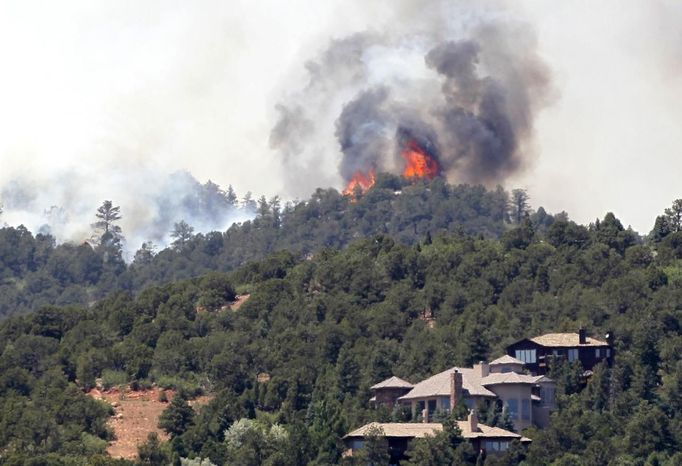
{"x": 241, "y": 299}
{"x": 136, "y": 414}
{"x": 232, "y": 306}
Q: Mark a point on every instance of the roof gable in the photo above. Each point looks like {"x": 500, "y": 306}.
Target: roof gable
{"x": 439, "y": 384}
{"x": 506, "y": 359}
{"x": 392, "y": 382}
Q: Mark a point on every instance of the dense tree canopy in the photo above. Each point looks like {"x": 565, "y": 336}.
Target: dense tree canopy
{"x": 80, "y": 274}
{"x": 325, "y": 326}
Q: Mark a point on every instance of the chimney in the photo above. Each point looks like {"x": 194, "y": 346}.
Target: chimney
{"x": 610, "y": 338}
{"x": 482, "y": 368}
{"x": 582, "y": 336}
{"x": 472, "y": 421}
{"x": 455, "y": 388}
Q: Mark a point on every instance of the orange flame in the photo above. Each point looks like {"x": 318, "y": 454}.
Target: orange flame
{"x": 360, "y": 180}
{"x": 418, "y": 163}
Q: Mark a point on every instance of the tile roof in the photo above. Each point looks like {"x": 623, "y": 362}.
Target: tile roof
{"x": 439, "y": 385}
{"x": 399, "y": 429}
{"x": 506, "y": 359}
{"x": 393, "y": 382}
{"x": 565, "y": 340}
{"x": 485, "y": 431}
{"x": 508, "y": 378}
{"x": 421, "y": 430}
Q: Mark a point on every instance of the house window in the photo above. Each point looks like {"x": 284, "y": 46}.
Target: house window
{"x": 432, "y": 408}
{"x": 513, "y": 408}
{"x": 445, "y": 404}
{"x": 525, "y": 410}
{"x": 356, "y": 444}
{"x": 506, "y": 369}
{"x": 528, "y": 356}
{"x": 547, "y": 395}
{"x": 596, "y": 353}
{"x": 573, "y": 354}
{"x": 608, "y": 352}
{"x": 494, "y": 445}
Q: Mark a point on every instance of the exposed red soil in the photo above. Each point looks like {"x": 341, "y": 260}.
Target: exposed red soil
{"x": 136, "y": 414}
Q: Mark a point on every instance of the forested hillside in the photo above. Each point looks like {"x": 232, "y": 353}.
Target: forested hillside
{"x": 291, "y": 369}
{"x": 35, "y": 271}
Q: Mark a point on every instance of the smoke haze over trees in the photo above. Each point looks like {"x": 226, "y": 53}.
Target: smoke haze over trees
{"x": 197, "y": 88}
{"x": 149, "y": 211}
{"x": 79, "y": 272}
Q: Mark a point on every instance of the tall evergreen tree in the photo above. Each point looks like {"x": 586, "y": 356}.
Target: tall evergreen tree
{"x": 674, "y": 216}
{"x": 231, "y": 196}
{"x": 107, "y": 215}
{"x": 518, "y": 205}
{"x": 177, "y": 417}
{"x": 182, "y": 234}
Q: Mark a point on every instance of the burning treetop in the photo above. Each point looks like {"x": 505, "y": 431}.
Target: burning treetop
{"x": 466, "y": 96}
{"x": 418, "y": 163}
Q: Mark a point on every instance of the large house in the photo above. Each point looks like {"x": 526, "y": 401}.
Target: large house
{"x": 527, "y": 399}
{"x": 537, "y": 352}
{"x": 491, "y": 440}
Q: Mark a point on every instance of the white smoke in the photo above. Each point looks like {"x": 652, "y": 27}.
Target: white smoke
{"x": 65, "y": 204}
{"x": 103, "y": 99}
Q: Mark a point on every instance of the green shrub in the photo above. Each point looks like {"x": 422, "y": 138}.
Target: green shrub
{"x": 112, "y": 378}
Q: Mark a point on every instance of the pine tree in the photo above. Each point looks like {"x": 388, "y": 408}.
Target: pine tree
{"x": 231, "y": 196}
{"x": 177, "y": 417}
{"x": 375, "y": 451}
{"x": 518, "y": 205}
{"x": 145, "y": 254}
{"x": 248, "y": 204}
{"x": 182, "y": 234}
{"x": 109, "y": 241}
{"x": 107, "y": 215}
{"x": 674, "y": 216}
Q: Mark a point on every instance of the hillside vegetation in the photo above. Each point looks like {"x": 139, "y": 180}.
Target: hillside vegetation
{"x": 291, "y": 369}
{"x": 34, "y": 271}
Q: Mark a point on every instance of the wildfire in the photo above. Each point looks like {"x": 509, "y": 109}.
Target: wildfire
{"x": 362, "y": 181}
{"x": 418, "y": 163}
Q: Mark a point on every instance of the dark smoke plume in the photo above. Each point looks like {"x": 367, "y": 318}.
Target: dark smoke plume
{"x": 468, "y": 98}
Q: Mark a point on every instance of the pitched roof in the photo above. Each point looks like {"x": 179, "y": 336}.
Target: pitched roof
{"x": 543, "y": 378}
{"x": 439, "y": 384}
{"x": 485, "y": 431}
{"x": 506, "y": 359}
{"x": 508, "y": 378}
{"x": 399, "y": 429}
{"x": 421, "y": 430}
{"x": 393, "y": 382}
{"x": 565, "y": 339}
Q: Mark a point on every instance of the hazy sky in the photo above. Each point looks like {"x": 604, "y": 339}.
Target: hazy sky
{"x": 109, "y": 93}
